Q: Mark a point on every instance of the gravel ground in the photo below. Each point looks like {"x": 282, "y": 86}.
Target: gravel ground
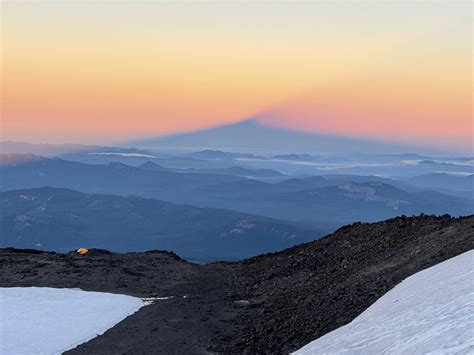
{"x": 273, "y": 303}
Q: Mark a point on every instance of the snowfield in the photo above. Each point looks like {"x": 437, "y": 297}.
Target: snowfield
{"x": 41, "y": 320}
{"x": 431, "y": 312}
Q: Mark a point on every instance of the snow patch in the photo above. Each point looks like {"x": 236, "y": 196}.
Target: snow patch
{"x": 150, "y": 300}
{"x": 42, "y": 320}
{"x": 28, "y": 198}
{"x": 239, "y": 228}
{"x": 429, "y": 312}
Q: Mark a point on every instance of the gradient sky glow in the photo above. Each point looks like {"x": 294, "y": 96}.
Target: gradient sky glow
{"x": 105, "y": 71}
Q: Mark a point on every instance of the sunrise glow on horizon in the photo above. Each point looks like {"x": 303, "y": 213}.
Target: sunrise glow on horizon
{"x": 109, "y": 71}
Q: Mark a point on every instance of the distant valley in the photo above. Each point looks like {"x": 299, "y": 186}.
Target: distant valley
{"x": 336, "y": 198}
{"x": 210, "y": 204}
{"x": 61, "y": 220}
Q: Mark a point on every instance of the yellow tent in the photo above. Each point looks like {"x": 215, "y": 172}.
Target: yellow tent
{"x": 82, "y": 251}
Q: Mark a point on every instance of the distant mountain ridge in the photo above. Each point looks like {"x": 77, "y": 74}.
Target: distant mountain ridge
{"x": 30, "y": 171}
{"x": 54, "y": 150}
{"x": 62, "y": 219}
{"x": 443, "y": 180}
{"x": 319, "y": 199}
{"x": 316, "y": 200}
{"x": 244, "y": 172}
{"x": 219, "y": 154}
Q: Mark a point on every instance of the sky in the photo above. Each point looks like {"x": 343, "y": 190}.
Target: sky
{"x": 109, "y": 71}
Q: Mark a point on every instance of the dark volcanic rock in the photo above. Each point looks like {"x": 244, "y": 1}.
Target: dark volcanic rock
{"x": 274, "y": 303}
{"x": 184, "y": 324}
{"x": 306, "y": 291}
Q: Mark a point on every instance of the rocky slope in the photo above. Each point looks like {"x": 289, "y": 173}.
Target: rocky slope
{"x": 274, "y": 303}
{"x": 304, "y": 292}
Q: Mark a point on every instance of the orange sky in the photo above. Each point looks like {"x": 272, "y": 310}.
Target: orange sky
{"x": 99, "y": 72}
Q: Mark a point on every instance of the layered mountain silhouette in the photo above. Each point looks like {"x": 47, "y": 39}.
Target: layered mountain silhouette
{"x": 322, "y": 202}
{"x": 28, "y": 171}
{"x": 54, "y": 150}
{"x": 62, "y": 219}
{"x": 442, "y": 180}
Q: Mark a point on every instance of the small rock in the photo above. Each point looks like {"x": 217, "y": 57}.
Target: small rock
{"x": 242, "y": 303}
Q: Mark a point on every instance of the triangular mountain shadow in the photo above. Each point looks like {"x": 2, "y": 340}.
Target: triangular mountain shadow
{"x": 253, "y": 136}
